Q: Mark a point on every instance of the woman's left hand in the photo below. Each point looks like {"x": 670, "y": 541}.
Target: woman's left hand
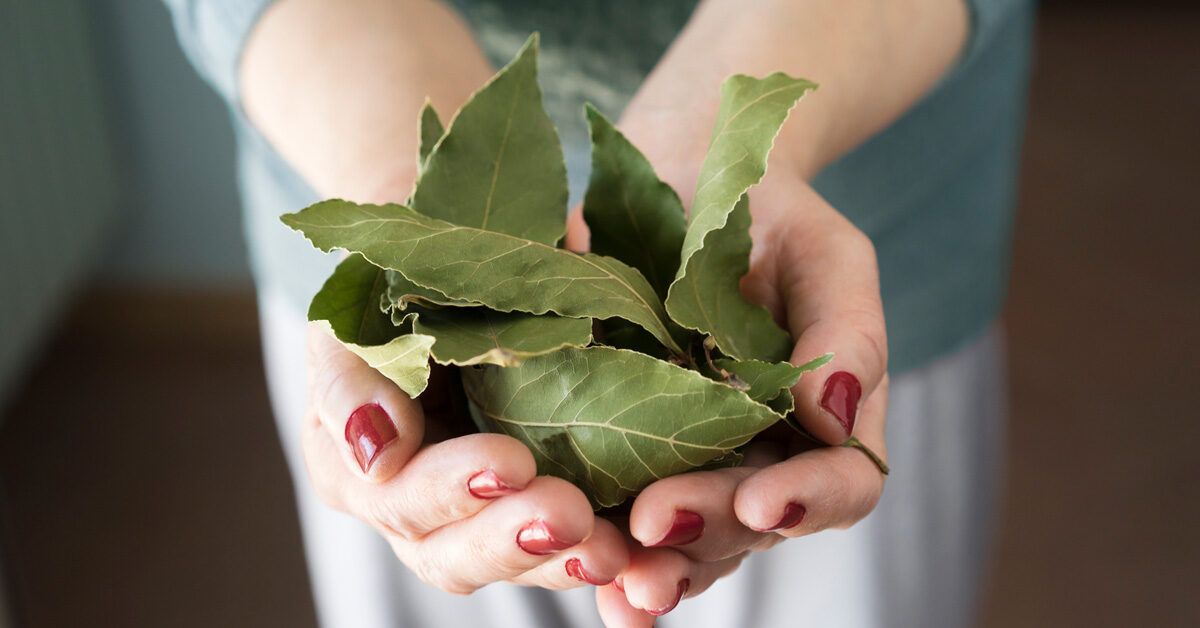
{"x": 817, "y": 273}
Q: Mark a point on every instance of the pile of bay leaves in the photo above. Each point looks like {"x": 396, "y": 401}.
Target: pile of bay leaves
{"x": 618, "y": 367}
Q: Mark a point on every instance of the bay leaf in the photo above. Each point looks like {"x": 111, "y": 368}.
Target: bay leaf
{"x": 705, "y": 294}
{"x": 621, "y": 334}
{"x": 503, "y": 272}
{"x": 401, "y": 293}
{"x": 613, "y": 421}
{"x": 403, "y": 359}
{"x": 347, "y": 307}
{"x": 764, "y": 380}
{"x": 632, "y": 214}
{"x": 474, "y": 335}
{"x": 349, "y": 299}
{"x": 430, "y": 129}
{"x": 499, "y": 166}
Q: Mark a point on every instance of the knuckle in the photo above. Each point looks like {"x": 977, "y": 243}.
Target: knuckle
{"x": 868, "y": 325}
{"x": 862, "y": 244}
{"x": 327, "y": 375}
{"x": 436, "y": 573}
{"x": 491, "y": 559}
{"x": 389, "y": 516}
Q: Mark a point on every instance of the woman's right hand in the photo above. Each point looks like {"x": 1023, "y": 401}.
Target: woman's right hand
{"x": 460, "y": 513}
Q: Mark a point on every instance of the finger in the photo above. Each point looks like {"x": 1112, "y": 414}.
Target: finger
{"x": 830, "y": 487}
{"x": 578, "y": 235}
{"x": 657, "y": 579}
{"x": 617, "y": 612}
{"x": 693, "y": 513}
{"x": 378, "y": 424}
{"x": 829, "y": 280}
{"x": 596, "y": 561}
{"x": 442, "y": 484}
{"x": 511, "y": 536}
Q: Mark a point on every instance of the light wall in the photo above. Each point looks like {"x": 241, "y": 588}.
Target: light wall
{"x": 181, "y": 225}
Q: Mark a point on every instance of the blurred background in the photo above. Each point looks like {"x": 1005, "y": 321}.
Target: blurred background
{"x": 141, "y": 480}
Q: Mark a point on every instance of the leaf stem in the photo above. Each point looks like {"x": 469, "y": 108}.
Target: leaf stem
{"x": 731, "y": 379}
{"x": 854, "y": 443}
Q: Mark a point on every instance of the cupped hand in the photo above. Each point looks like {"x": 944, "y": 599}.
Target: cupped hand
{"x": 817, "y": 274}
{"x": 460, "y": 512}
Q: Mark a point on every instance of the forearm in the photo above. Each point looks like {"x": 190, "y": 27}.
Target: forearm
{"x": 873, "y": 60}
{"x": 336, "y": 87}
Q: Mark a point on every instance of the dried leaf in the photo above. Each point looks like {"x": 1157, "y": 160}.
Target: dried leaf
{"x": 475, "y": 335}
{"x": 613, "y": 421}
{"x": 431, "y": 130}
{"x": 632, "y": 215}
{"x": 503, "y": 272}
{"x": 347, "y": 305}
{"x": 705, "y": 294}
{"x": 500, "y": 165}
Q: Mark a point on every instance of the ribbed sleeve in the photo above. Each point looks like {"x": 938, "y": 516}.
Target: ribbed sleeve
{"x": 212, "y": 34}
{"x": 988, "y": 17}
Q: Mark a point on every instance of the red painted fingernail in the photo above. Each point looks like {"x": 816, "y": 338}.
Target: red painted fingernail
{"x": 683, "y": 587}
{"x": 575, "y": 570}
{"x": 537, "y": 539}
{"x": 842, "y": 392}
{"x": 619, "y": 583}
{"x": 686, "y": 527}
{"x": 368, "y": 431}
{"x": 793, "y": 514}
{"x": 487, "y": 485}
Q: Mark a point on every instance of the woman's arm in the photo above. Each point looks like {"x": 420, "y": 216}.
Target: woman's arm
{"x": 336, "y": 87}
{"x": 872, "y": 58}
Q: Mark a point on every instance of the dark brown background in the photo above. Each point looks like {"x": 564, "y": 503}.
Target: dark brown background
{"x": 143, "y": 484}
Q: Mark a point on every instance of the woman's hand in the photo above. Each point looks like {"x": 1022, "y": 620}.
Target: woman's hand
{"x": 816, "y": 272}
{"x": 461, "y": 513}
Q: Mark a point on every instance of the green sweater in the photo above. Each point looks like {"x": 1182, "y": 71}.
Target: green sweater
{"x": 935, "y": 191}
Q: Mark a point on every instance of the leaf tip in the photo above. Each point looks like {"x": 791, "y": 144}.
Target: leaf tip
{"x": 531, "y": 44}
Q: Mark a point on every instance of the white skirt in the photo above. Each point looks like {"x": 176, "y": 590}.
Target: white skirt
{"x": 917, "y": 561}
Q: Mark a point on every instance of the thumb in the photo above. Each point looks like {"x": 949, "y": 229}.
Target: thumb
{"x": 380, "y": 425}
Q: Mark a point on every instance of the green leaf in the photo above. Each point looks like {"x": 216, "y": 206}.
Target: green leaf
{"x": 348, "y": 307}
{"x": 613, "y": 421}
{"x": 401, "y": 293}
{"x": 632, "y": 215}
{"x": 783, "y": 404}
{"x": 705, "y": 294}
{"x": 500, "y": 165}
{"x": 431, "y": 130}
{"x": 622, "y": 334}
{"x": 763, "y": 381}
{"x": 349, "y": 301}
{"x": 503, "y": 272}
{"x": 404, "y": 359}
{"x": 473, "y": 335}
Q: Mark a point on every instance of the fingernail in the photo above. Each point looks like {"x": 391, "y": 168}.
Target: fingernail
{"x": 575, "y": 570}
{"x": 686, "y": 527}
{"x": 793, "y": 514}
{"x": 537, "y": 539}
{"x": 683, "y": 587}
{"x": 842, "y": 392}
{"x": 619, "y": 583}
{"x": 368, "y": 431}
{"x": 487, "y": 485}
